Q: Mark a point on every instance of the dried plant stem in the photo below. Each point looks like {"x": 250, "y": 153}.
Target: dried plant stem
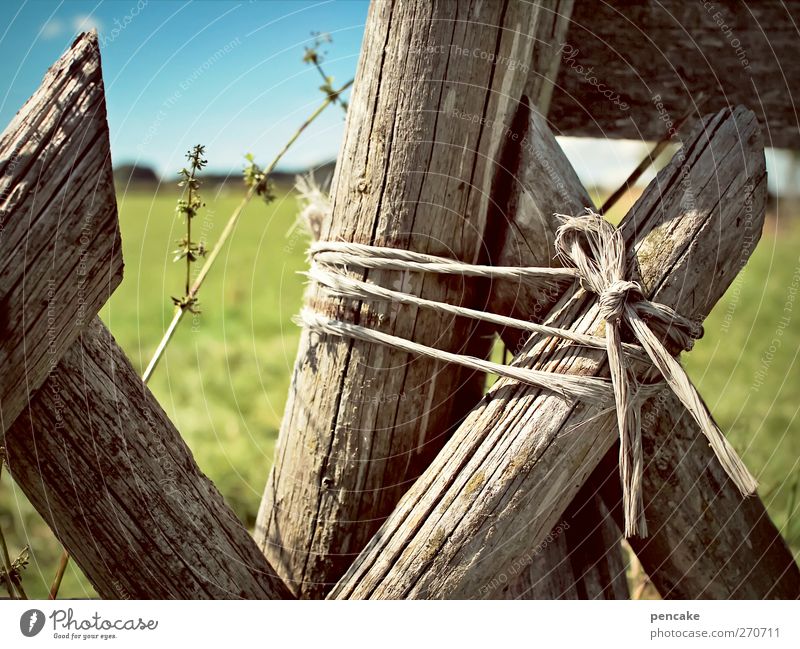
{"x": 7, "y": 566}
{"x": 189, "y": 240}
{"x": 321, "y": 71}
{"x": 62, "y": 568}
{"x": 226, "y": 233}
{"x": 4, "y": 548}
{"x": 11, "y": 585}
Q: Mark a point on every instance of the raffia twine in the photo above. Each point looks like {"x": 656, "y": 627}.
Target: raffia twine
{"x": 595, "y": 252}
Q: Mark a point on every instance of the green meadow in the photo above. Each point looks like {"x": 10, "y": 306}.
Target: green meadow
{"x": 224, "y": 378}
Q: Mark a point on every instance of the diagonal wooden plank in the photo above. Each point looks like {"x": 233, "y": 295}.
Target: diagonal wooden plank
{"x": 709, "y": 540}
{"x": 581, "y": 558}
{"x": 101, "y": 462}
{"x": 60, "y": 255}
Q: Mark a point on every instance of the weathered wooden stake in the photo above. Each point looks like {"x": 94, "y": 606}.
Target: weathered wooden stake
{"x": 515, "y": 464}
{"x": 435, "y": 86}
{"x": 86, "y": 441}
{"x": 707, "y": 541}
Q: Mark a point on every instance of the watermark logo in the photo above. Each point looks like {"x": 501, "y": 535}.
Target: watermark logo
{"x": 31, "y": 622}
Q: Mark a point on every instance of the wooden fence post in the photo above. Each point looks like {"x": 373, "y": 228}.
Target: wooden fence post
{"x": 585, "y": 558}
{"x": 86, "y": 441}
{"x": 435, "y": 86}
{"x": 457, "y": 525}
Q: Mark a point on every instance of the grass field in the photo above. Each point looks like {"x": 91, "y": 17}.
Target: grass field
{"x": 224, "y": 379}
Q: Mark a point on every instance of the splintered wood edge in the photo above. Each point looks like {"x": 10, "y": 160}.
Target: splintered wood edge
{"x": 60, "y": 252}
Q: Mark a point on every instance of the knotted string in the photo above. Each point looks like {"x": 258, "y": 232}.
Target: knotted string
{"x": 596, "y": 250}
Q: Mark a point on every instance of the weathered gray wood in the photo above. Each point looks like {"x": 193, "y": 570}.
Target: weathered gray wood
{"x": 734, "y": 52}
{"x": 534, "y": 181}
{"x": 60, "y": 254}
{"x": 706, "y": 540}
{"x": 585, "y": 560}
{"x": 581, "y": 557}
{"x": 428, "y": 115}
{"x": 511, "y": 469}
{"x": 101, "y": 462}
{"x": 90, "y": 447}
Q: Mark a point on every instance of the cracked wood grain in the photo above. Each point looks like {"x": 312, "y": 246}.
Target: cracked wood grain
{"x": 425, "y": 123}
{"x": 709, "y": 541}
{"x": 534, "y": 181}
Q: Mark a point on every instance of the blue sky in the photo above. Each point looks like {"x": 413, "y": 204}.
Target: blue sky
{"x": 168, "y": 88}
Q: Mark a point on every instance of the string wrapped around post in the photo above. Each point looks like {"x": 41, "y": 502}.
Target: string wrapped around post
{"x": 595, "y": 251}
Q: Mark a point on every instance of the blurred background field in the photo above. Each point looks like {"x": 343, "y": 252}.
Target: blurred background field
{"x": 225, "y": 376}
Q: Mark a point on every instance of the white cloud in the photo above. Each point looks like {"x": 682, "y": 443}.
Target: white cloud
{"x": 52, "y": 29}
{"x": 83, "y": 23}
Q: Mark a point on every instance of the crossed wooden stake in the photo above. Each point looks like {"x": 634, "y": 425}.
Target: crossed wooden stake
{"x": 87, "y": 442}
{"x": 99, "y": 459}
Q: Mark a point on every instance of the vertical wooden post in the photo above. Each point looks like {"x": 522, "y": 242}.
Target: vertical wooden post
{"x": 583, "y": 556}
{"x": 437, "y": 85}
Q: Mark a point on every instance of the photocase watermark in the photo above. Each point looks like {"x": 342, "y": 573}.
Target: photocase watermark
{"x": 31, "y": 622}
{"x": 523, "y": 562}
{"x": 378, "y": 398}
{"x": 783, "y": 323}
{"x": 688, "y": 202}
{"x": 83, "y": 266}
{"x": 206, "y": 226}
{"x": 171, "y": 101}
{"x": 475, "y": 118}
{"x": 67, "y": 626}
{"x": 569, "y": 54}
{"x": 748, "y": 244}
{"x": 652, "y": 413}
{"x": 728, "y": 32}
{"x": 120, "y": 590}
{"x": 51, "y": 337}
{"x": 172, "y": 482}
{"x": 121, "y": 25}
{"x": 476, "y": 53}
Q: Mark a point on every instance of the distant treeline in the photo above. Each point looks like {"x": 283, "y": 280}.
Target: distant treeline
{"x": 140, "y": 176}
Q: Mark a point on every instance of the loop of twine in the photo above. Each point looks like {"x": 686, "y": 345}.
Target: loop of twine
{"x": 596, "y": 251}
